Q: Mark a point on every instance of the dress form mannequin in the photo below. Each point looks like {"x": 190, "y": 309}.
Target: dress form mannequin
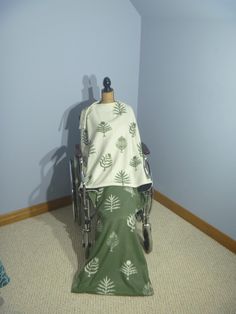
{"x": 107, "y": 95}
{"x": 115, "y": 169}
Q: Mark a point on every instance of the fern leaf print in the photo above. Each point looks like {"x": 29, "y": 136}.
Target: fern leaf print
{"x": 106, "y": 161}
{"x": 112, "y": 203}
{"x": 91, "y": 149}
{"x": 140, "y": 150}
{"x": 130, "y": 190}
{"x": 128, "y": 269}
{"x": 87, "y": 142}
{"x": 92, "y": 267}
{"x": 131, "y": 222}
{"x": 85, "y": 138}
{"x": 119, "y": 109}
{"x": 106, "y": 286}
{"x": 112, "y": 241}
{"x": 122, "y": 177}
{"x": 121, "y": 144}
{"x": 134, "y": 162}
{"x": 99, "y": 193}
{"x": 104, "y": 127}
{"x": 132, "y": 129}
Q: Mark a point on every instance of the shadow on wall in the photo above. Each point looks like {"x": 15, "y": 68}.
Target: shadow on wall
{"x": 54, "y": 166}
{"x": 55, "y": 176}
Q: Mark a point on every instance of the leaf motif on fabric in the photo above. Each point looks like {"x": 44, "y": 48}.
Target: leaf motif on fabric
{"x": 92, "y": 267}
{"x": 112, "y": 241}
{"x": 106, "y": 286}
{"x": 121, "y": 144}
{"x": 103, "y": 127}
{"x": 128, "y": 269}
{"x": 134, "y": 162}
{"x": 106, "y": 161}
{"x": 119, "y": 109}
{"x": 122, "y": 177}
{"x": 132, "y": 129}
{"x": 88, "y": 143}
{"x": 99, "y": 193}
{"x": 130, "y": 190}
{"x": 91, "y": 149}
{"x": 131, "y": 222}
{"x": 112, "y": 203}
{"x": 85, "y": 138}
{"x": 140, "y": 149}
{"x": 147, "y": 289}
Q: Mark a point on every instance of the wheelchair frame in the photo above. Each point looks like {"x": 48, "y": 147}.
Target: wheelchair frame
{"x": 84, "y": 212}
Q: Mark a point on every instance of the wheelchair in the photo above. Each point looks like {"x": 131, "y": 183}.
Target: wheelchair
{"x": 84, "y": 212}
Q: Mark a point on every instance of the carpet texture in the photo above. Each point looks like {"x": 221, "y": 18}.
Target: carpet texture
{"x": 190, "y": 272}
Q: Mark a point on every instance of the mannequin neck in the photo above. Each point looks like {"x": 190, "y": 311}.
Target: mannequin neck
{"x": 107, "y": 97}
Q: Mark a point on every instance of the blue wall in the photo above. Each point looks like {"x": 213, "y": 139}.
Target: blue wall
{"x": 187, "y": 113}
{"x": 53, "y": 58}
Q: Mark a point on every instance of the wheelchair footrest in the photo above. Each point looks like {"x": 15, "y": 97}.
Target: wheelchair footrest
{"x": 147, "y": 237}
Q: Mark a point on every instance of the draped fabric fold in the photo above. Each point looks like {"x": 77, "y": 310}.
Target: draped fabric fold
{"x": 116, "y": 265}
{"x": 114, "y": 169}
{"x": 111, "y": 146}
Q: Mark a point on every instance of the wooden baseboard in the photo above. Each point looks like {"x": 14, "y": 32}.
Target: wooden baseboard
{"x": 34, "y": 210}
{"x": 214, "y": 233}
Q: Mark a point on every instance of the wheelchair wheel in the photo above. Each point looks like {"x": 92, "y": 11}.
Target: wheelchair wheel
{"x": 76, "y": 199}
{"x": 147, "y": 238}
{"x": 150, "y": 201}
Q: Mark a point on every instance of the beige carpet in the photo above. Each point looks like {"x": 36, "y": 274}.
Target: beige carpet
{"x": 190, "y": 272}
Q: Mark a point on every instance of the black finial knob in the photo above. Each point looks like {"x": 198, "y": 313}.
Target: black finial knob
{"x": 107, "y": 85}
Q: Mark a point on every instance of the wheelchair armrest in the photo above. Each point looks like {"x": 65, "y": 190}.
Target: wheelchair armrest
{"x": 78, "y": 152}
{"x": 145, "y": 149}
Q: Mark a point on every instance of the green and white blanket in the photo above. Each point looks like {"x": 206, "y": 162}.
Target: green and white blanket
{"x": 116, "y": 265}
{"x": 114, "y": 165}
{"x": 111, "y": 146}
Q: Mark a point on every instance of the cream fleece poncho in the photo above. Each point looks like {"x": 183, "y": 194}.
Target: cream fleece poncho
{"x": 111, "y": 146}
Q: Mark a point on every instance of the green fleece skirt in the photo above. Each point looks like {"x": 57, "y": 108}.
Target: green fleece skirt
{"x": 116, "y": 265}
